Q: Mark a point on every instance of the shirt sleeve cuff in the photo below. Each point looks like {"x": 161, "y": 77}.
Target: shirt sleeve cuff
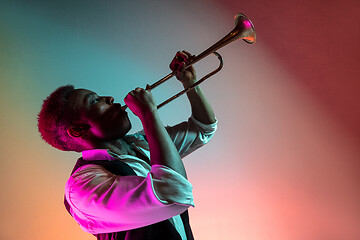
{"x": 170, "y": 187}
{"x": 208, "y": 128}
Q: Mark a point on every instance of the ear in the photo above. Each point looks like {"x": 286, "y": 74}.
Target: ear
{"x": 76, "y": 131}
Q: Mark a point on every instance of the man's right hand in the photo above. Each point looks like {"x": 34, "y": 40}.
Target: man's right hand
{"x": 140, "y": 102}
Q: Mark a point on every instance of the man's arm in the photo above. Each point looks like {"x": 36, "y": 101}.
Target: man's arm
{"x": 200, "y": 107}
{"x": 162, "y": 148}
{"x": 103, "y": 202}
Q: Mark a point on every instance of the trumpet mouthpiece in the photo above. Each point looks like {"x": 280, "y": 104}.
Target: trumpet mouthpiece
{"x": 123, "y": 108}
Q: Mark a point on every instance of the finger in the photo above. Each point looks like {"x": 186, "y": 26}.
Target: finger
{"x": 127, "y": 97}
{"x": 174, "y": 64}
{"x": 182, "y": 57}
{"x": 189, "y": 55}
{"x": 139, "y": 90}
{"x": 180, "y": 71}
{"x": 178, "y": 59}
{"x": 181, "y": 67}
{"x": 134, "y": 92}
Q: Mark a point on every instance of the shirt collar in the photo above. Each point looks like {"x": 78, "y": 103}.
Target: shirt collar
{"x": 135, "y": 140}
{"x": 97, "y": 154}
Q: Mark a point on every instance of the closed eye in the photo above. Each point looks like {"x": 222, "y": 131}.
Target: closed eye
{"x": 94, "y": 100}
{"x": 91, "y": 98}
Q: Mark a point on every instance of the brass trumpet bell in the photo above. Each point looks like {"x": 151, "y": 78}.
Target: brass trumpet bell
{"x": 245, "y": 27}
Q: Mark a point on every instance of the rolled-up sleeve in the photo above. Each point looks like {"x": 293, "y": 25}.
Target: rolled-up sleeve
{"x": 191, "y": 135}
{"x": 102, "y": 202}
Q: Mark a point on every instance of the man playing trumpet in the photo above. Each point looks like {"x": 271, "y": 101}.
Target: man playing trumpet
{"x": 128, "y": 186}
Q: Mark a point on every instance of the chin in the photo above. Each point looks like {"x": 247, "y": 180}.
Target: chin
{"x": 126, "y": 129}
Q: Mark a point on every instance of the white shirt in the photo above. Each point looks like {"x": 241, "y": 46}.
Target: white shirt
{"x": 102, "y": 202}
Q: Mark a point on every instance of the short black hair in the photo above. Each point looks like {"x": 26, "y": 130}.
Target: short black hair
{"x": 54, "y": 119}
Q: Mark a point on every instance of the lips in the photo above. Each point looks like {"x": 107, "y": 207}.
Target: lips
{"x": 118, "y": 108}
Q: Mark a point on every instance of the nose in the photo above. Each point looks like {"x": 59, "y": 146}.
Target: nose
{"x": 109, "y": 100}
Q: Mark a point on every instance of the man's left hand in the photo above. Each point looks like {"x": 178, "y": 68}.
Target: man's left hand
{"x": 185, "y": 76}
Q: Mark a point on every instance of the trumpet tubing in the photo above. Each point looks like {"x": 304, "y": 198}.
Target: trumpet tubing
{"x": 244, "y": 29}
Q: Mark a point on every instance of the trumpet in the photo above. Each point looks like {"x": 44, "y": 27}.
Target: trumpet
{"x": 244, "y": 29}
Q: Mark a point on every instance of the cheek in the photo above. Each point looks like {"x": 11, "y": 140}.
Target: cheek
{"x": 96, "y": 114}
{"x": 98, "y": 111}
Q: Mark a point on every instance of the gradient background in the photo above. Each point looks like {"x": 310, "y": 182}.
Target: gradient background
{"x": 284, "y": 164}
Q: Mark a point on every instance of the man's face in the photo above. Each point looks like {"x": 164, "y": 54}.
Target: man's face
{"x": 105, "y": 119}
